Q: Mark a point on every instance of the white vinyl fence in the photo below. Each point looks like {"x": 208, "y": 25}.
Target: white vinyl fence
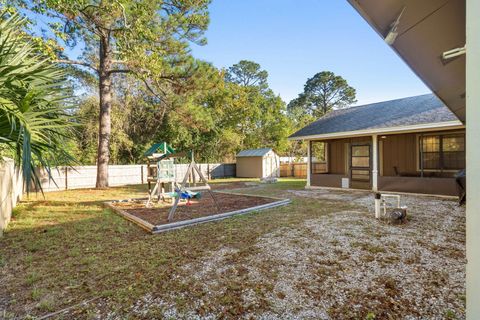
{"x": 64, "y": 178}
{"x": 11, "y": 187}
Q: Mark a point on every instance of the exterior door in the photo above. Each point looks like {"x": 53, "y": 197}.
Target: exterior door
{"x": 360, "y": 166}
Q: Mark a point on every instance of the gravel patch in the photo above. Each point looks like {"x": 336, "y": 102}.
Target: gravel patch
{"x": 342, "y": 265}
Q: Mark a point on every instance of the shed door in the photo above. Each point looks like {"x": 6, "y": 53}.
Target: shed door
{"x": 360, "y": 171}
{"x": 268, "y": 167}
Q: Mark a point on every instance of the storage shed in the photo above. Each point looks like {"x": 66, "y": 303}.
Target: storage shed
{"x": 258, "y": 163}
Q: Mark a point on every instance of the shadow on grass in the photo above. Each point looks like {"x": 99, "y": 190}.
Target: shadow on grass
{"x": 57, "y": 253}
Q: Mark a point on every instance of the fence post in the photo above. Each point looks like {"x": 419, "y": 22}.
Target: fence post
{"x": 194, "y": 176}
{"x": 66, "y": 178}
{"x": 141, "y": 173}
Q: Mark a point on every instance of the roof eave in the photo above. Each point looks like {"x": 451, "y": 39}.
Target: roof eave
{"x": 445, "y": 125}
{"x": 435, "y": 27}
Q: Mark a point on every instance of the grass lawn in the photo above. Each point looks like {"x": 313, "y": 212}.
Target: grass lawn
{"x": 323, "y": 256}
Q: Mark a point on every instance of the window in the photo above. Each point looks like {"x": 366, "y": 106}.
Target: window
{"x": 318, "y": 156}
{"x": 431, "y": 152}
{"x": 442, "y": 152}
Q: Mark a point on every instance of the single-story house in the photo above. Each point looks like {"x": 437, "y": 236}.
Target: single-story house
{"x": 258, "y": 163}
{"x": 414, "y": 145}
{"x": 440, "y": 42}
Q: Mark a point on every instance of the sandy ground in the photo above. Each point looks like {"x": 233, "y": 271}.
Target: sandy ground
{"x": 344, "y": 265}
{"x": 196, "y": 208}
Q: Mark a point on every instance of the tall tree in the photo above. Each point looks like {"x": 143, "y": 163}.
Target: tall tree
{"x": 261, "y": 118}
{"x": 247, "y": 73}
{"x": 298, "y": 118}
{"x": 322, "y": 93}
{"x": 145, "y": 38}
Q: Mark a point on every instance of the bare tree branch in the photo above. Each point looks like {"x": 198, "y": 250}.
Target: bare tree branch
{"x": 125, "y": 23}
{"x": 120, "y": 71}
{"x": 149, "y": 88}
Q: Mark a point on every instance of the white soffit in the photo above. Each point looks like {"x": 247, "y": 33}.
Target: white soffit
{"x": 426, "y": 29}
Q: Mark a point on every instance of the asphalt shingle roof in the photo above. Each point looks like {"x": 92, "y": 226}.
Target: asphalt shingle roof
{"x": 254, "y": 152}
{"x": 387, "y": 114}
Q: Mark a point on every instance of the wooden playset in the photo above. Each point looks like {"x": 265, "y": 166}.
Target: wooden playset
{"x": 161, "y": 171}
{"x": 167, "y": 188}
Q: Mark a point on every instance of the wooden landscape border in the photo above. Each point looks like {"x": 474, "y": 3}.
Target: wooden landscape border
{"x": 154, "y": 229}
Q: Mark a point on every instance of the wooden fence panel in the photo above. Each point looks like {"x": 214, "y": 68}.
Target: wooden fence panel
{"x": 300, "y": 170}
{"x": 297, "y": 170}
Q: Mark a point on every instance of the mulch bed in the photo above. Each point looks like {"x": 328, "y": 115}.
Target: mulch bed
{"x": 205, "y": 206}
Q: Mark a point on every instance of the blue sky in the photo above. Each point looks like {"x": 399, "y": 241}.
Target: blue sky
{"x": 294, "y": 39}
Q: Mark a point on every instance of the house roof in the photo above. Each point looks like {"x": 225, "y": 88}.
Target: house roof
{"x": 254, "y": 152}
{"x": 411, "y": 111}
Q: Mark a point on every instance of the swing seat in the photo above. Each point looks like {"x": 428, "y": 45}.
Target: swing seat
{"x": 187, "y": 194}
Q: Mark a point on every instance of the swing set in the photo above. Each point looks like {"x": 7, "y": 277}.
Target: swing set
{"x": 162, "y": 171}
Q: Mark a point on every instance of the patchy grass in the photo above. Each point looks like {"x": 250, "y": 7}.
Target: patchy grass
{"x": 320, "y": 257}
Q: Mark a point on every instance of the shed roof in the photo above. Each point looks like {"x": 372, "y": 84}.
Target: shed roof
{"x": 254, "y": 152}
{"x": 423, "y": 109}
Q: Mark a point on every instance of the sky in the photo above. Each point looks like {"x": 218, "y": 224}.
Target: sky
{"x": 294, "y": 39}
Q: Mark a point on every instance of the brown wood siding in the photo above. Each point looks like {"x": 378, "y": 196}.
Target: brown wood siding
{"x": 400, "y": 150}
{"x": 336, "y": 156}
{"x": 439, "y": 186}
{"x": 326, "y": 180}
{"x": 249, "y": 167}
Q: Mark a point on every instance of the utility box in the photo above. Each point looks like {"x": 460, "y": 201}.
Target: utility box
{"x": 345, "y": 183}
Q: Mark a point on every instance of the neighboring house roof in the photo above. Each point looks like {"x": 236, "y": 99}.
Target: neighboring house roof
{"x": 411, "y": 111}
{"x": 254, "y": 152}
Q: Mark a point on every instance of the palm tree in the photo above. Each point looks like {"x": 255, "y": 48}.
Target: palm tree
{"x": 34, "y": 99}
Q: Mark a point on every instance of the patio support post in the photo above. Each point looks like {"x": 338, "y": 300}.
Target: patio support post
{"x": 473, "y": 158}
{"x": 374, "y": 162}
{"x": 309, "y": 160}
{"x": 421, "y": 155}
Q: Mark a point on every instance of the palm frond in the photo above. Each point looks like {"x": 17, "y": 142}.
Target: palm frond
{"x": 34, "y": 122}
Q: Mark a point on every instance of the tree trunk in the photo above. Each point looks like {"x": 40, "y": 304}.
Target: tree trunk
{"x": 104, "y": 128}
